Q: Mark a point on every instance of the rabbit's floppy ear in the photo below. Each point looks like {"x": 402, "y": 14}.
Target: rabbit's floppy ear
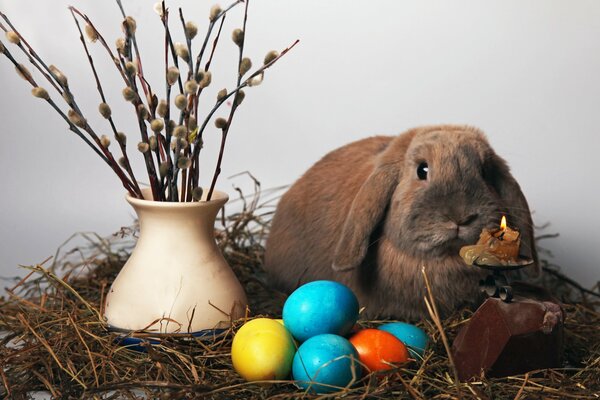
{"x": 366, "y": 211}
{"x": 369, "y": 205}
{"x": 516, "y": 207}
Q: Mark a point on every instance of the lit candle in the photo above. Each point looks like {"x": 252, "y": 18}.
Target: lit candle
{"x": 502, "y": 226}
{"x": 497, "y": 247}
{"x": 507, "y": 235}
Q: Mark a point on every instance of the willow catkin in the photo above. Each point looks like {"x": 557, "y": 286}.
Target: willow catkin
{"x": 238, "y": 37}
{"x": 180, "y": 101}
{"x": 13, "y": 37}
{"x": 270, "y": 56}
{"x": 129, "y": 94}
{"x": 76, "y": 118}
{"x": 40, "y": 92}
{"x": 214, "y": 12}
{"x": 221, "y": 123}
{"x": 245, "y": 66}
{"x": 191, "y": 30}
{"x": 172, "y": 75}
{"x": 105, "y": 110}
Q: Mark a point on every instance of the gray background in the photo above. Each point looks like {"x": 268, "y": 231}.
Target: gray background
{"x": 527, "y": 73}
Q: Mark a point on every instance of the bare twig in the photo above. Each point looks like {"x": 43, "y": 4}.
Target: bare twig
{"x": 570, "y": 281}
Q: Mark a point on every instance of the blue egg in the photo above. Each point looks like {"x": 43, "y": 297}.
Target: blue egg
{"x": 320, "y": 307}
{"x": 413, "y": 337}
{"x": 326, "y": 363}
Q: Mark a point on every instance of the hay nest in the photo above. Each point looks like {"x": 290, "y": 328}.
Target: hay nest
{"x": 53, "y": 340}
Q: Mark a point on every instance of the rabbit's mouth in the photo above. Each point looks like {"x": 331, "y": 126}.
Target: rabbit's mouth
{"x": 446, "y": 242}
{"x": 437, "y": 246}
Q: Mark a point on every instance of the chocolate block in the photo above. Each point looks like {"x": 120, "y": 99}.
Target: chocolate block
{"x": 503, "y": 339}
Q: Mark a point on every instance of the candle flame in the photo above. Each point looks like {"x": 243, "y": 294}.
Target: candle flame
{"x": 503, "y": 223}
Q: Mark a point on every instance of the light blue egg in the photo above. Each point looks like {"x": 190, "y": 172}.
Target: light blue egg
{"x": 414, "y": 338}
{"x": 326, "y": 363}
{"x": 320, "y": 307}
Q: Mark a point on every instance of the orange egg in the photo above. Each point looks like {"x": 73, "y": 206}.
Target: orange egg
{"x": 379, "y": 350}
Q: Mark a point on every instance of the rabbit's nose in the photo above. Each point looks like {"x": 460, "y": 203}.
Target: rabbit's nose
{"x": 468, "y": 220}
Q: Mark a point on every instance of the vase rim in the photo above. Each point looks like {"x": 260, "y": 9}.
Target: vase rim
{"x": 218, "y": 197}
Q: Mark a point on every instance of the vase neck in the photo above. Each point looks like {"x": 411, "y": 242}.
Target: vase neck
{"x": 177, "y": 221}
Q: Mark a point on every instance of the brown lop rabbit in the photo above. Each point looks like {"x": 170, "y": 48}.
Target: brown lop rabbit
{"x": 371, "y": 214}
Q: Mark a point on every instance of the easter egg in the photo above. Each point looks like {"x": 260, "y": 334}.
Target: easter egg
{"x": 379, "y": 350}
{"x": 413, "y": 337}
{"x": 320, "y": 307}
{"x": 325, "y": 363}
{"x": 263, "y": 349}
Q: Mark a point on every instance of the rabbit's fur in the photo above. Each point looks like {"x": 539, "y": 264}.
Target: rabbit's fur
{"x": 361, "y": 216}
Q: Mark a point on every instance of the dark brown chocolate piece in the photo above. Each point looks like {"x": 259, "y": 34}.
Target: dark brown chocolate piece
{"x": 503, "y": 339}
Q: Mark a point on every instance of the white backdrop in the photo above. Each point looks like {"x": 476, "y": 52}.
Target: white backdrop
{"x": 527, "y": 73}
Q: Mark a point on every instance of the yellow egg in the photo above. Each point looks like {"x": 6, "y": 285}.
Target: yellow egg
{"x": 263, "y": 349}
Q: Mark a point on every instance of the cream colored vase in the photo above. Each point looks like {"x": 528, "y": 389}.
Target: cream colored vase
{"x": 176, "y": 279}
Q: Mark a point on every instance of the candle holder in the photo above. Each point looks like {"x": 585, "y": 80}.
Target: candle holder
{"x": 497, "y": 284}
{"x": 506, "y": 337}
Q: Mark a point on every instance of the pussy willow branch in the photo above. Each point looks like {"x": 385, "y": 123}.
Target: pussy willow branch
{"x": 150, "y": 167}
{"x": 137, "y": 51}
{"x": 184, "y": 116}
{"x": 122, "y": 144}
{"x": 168, "y": 178}
{"x": 112, "y": 162}
{"x": 129, "y": 81}
{"x": 230, "y": 119}
{"x": 220, "y": 17}
{"x": 195, "y": 175}
{"x": 193, "y": 99}
{"x": 152, "y": 101}
{"x": 102, "y": 41}
{"x": 207, "y": 37}
{"x": 152, "y": 104}
{"x": 31, "y": 53}
{"x": 188, "y": 43}
{"x": 72, "y": 126}
{"x": 194, "y": 172}
{"x": 169, "y": 46}
{"x": 185, "y": 191}
{"x": 219, "y": 103}
{"x": 234, "y": 107}
{"x": 161, "y": 152}
{"x": 70, "y": 100}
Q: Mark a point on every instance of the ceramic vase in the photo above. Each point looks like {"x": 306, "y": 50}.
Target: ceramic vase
{"x": 176, "y": 279}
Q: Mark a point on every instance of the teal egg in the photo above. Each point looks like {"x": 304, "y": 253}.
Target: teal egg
{"x": 414, "y": 338}
{"x": 325, "y": 363}
{"x": 320, "y": 307}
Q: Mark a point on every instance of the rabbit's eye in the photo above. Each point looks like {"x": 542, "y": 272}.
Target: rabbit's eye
{"x": 422, "y": 171}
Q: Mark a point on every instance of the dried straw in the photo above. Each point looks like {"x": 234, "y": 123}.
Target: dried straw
{"x": 53, "y": 340}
